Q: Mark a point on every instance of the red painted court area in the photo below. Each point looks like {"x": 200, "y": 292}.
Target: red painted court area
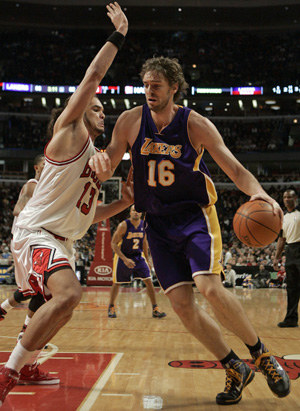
{"x": 78, "y": 373}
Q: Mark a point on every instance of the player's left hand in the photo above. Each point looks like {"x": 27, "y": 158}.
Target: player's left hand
{"x": 117, "y": 17}
{"x": 265, "y": 197}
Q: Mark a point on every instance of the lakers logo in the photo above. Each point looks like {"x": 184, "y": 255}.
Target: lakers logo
{"x": 149, "y": 147}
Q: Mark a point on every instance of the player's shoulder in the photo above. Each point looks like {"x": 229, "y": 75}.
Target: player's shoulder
{"x": 132, "y": 114}
{"x": 195, "y": 117}
{"x": 123, "y": 225}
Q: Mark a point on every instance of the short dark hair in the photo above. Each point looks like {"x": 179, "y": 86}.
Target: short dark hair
{"x": 37, "y": 159}
{"x": 170, "y": 69}
{"x": 55, "y": 113}
{"x": 291, "y": 192}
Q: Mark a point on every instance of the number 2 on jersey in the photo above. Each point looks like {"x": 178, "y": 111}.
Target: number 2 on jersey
{"x": 164, "y": 173}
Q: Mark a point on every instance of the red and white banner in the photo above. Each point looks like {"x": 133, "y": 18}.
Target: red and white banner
{"x": 102, "y": 267}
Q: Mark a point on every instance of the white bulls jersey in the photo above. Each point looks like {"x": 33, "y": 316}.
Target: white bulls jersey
{"x": 32, "y": 180}
{"x": 65, "y": 199}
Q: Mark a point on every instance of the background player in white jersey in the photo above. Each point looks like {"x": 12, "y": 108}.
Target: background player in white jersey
{"x": 17, "y": 297}
{"x": 128, "y": 243}
{"x": 62, "y": 209}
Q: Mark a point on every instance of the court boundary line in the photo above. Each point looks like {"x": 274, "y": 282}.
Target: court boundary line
{"x": 94, "y": 393}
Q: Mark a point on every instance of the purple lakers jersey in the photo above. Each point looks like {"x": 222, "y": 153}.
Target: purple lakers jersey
{"x": 132, "y": 242}
{"x": 169, "y": 174}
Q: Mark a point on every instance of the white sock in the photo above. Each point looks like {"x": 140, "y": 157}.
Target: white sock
{"x": 34, "y": 357}
{"x": 27, "y": 320}
{"x": 6, "y": 306}
{"x": 19, "y": 357}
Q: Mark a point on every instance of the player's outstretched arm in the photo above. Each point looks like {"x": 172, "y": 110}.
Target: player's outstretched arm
{"x": 79, "y": 101}
{"x": 104, "y": 211}
{"x": 26, "y": 194}
{"x": 204, "y": 134}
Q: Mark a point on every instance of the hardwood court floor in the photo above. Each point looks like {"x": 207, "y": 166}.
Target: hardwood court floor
{"x": 135, "y": 362}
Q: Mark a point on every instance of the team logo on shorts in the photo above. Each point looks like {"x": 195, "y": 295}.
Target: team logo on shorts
{"x": 291, "y": 364}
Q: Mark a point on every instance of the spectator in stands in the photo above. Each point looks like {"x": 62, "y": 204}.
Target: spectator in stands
{"x": 259, "y": 280}
{"x": 230, "y": 276}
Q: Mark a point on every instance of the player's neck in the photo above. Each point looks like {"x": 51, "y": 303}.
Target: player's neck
{"x": 136, "y": 223}
{"x": 164, "y": 117}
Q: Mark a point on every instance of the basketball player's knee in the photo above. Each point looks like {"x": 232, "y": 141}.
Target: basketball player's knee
{"x": 211, "y": 293}
{"x": 71, "y": 299}
{"x": 182, "y": 308}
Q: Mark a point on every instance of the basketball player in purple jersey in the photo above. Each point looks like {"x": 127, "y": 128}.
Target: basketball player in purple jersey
{"x": 63, "y": 207}
{"x": 173, "y": 186}
{"x": 128, "y": 243}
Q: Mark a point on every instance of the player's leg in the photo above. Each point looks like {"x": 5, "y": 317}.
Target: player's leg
{"x": 226, "y": 307}
{"x": 16, "y": 298}
{"x": 66, "y": 293}
{"x": 142, "y": 272}
{"x": 114, "y": 291}
{"x": 35, "y": 303}
{"x": 174, "y": 263}
{"x": 207, "y": 331}
{"x": 293, "y": 294}
{"x": 156, "y": 312}
{"x": 121, "y": 275}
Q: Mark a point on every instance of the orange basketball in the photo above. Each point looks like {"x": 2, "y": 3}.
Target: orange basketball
{"x": 255, "y": 224}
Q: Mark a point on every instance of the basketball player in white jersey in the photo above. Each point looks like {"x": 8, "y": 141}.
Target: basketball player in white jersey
{"x": 61, "y": 211}
{"x": 17, "y": 297}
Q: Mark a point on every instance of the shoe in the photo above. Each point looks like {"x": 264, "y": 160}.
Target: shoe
{"x": 287, "y": 324}
{"x": 158, "y": 314}
{"x": 8, "y": 380}
{"x": 30, "y": 374}
{"x": 2, "y": 313}
{"x": 238, "y": 375}
{"x": 112, "y": 312}
{"x": 277, "y": 379}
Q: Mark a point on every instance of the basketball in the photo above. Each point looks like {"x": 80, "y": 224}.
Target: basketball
{"x": 255, "y": 224}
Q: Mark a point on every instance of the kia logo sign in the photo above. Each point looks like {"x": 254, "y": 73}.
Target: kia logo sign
{"x": 103, "y": 270}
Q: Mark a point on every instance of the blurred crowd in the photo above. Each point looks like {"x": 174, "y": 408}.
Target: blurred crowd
{"x": 256, "y": 135}
{"x": 222, "y": 58}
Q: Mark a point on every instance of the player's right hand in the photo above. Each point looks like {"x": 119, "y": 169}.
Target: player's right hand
{"x": 117, "y": 17}
{"x": 100, "y": 163}
{"x": 275, "y": 264}
{"x": 129, "y": 263}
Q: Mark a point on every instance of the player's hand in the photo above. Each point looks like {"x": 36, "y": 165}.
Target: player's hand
{"x": 129, "y": 263}
{"x": 265, "y": 197}
{"x": 275, "y": 264}
{"x": 127, "y": 188}
{"x": 100, "y": 163}
{"x": 117, "y": 17}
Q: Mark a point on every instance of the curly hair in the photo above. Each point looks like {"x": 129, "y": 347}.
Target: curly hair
{"x": 170, "y": 69}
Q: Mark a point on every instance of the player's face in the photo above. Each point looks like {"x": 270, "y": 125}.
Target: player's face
{"x": 159, "y": 94}
{"x": 134, "y": 215}
{"x": 94, "y": 117}
{"x": 39, "y": 167}
{"x": 289, "y": 199}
